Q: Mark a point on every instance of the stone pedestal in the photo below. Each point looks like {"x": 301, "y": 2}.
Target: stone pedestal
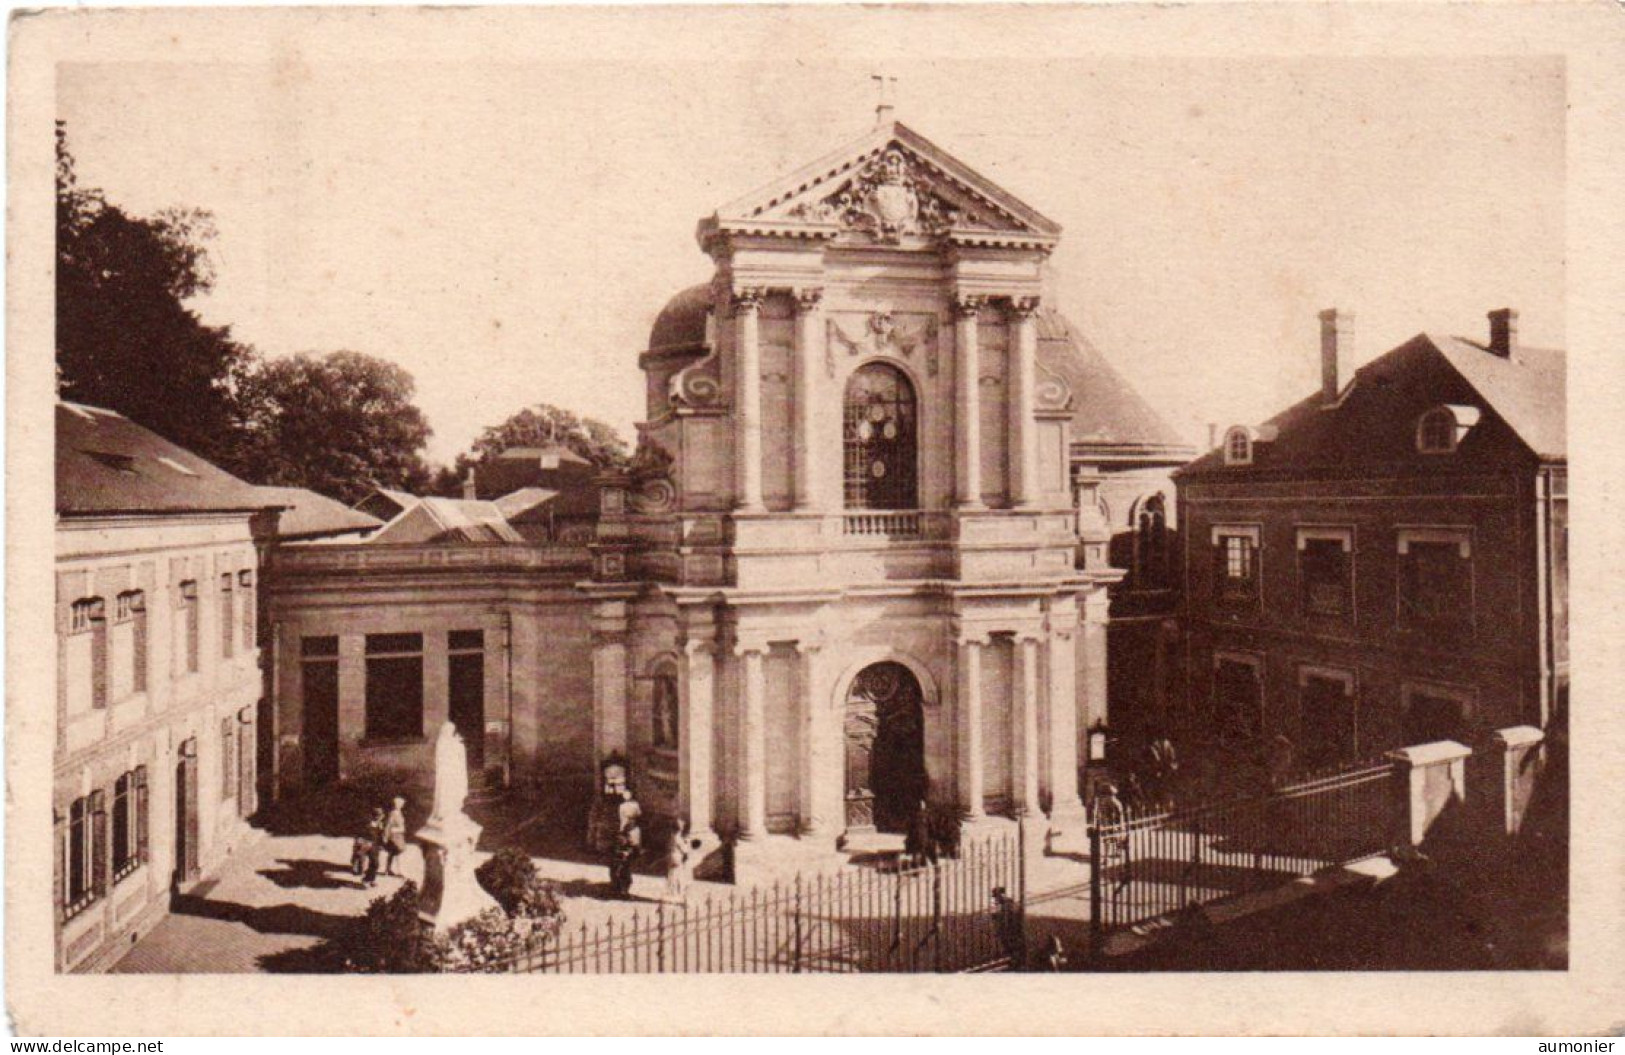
{"x": 1430, "y": 788}
{"x": 1067, "y": 832}
{"x": 1520, "y": 760}
{"x": 451, "y": 893}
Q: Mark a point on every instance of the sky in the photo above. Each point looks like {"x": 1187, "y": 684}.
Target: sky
{"x": 508, "y": 230}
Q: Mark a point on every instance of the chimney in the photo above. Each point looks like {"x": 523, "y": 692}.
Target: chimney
{"x": 1336, "y": 342}
{"x": 1504, "y": 333}
{"x": 1212, "y": 435}
{"x": 469, "y": 491}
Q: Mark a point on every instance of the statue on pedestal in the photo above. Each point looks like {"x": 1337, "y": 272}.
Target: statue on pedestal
{"x": 451, "y": 893}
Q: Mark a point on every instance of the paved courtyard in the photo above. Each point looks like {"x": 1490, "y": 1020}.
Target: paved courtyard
{"x": 291, "y": 886}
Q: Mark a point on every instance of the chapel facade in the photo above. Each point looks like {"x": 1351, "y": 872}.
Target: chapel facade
{"x": 849, "y": 581}
{"x": 851, "y": 568}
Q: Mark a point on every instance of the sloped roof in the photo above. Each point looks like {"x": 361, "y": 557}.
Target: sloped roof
{"x": 106, "y": 463}
{"x": 1527, "y": 392}
{"x": 447, "y": 520}
{"x": 1108, "y": 410}
{"x": 552, "y": 451}
{"x": 523, "y": 501}
{"x": 307, "y": 514}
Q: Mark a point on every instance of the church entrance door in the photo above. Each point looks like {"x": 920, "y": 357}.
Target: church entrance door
{"x": 885, "y": 748}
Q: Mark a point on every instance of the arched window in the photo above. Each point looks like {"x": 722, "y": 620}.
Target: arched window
{"x": 1151, "y": 543}
{"x": 1238, "y": 447}
{"x": 1436, "y": 432}
{"x": 879, "y": 439}
{"x": 663, "y": 713}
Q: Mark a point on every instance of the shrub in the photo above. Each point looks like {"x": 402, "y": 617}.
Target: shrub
{"x": 510, "y": 877}
{"x": 389, "y": 939}
{"x": 490, "y": 941}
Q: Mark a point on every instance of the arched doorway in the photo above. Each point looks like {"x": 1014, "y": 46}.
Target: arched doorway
{"x": 885, "y": 748}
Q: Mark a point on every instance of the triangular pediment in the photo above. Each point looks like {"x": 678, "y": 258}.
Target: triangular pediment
{"x": 891, "y": 185}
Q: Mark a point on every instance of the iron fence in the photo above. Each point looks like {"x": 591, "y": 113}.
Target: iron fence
{"x": 1151, "y": 864}
{"x": 934, "y": 917}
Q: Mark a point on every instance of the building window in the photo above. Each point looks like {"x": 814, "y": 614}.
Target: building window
{"x": 879, "y": 439}
{"x": 245, "y": 586}
{"x": 394, "y": 686}
{"x": 663, "y": 712}
{"x": 1436, "y": 578}
{"x": 1238, "y": 699}
{"x": 129, "y": 822}
{"x": 1238, "y": 447}
{"x": 1434, "y": 713}
{"x": 228, "y": 616}
{"x": 1326, "y": 716}
{"x": 1436, "y": 432}
{"x": 86, "y": 854}
{"x": 1235, "y": 553}
{"x": 86, "y": 656}
{"x": 130, "y": 643}
{"x": 1441, "y": 429}
{"x": 1151, "y": 544}
{"x": 1326, "y": 571}
{"x": 189, "y": 606}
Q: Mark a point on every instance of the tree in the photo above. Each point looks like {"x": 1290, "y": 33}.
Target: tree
{"x": 125, "y": 339}
{"x": 339, "y": 424}
{"x": 540, "y": 425}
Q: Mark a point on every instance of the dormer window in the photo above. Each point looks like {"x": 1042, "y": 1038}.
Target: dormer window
{"x": 1238, "y": 447}
{"x": 1441, "y": 429}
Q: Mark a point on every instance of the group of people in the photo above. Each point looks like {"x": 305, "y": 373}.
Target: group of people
{"x": 383, "y": 838}
{"x": 627, "y": 845}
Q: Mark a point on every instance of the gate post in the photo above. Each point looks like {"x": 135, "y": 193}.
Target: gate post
{"x": 1096, "y": 901}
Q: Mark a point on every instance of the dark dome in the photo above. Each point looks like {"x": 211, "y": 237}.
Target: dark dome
{"x": 1109, "y": 411}
{"x": 681, "y": 323}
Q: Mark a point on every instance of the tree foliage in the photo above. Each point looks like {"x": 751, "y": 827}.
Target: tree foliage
{"x": 125, "y": 339}
{"x": 539, "y": 425}
{"x": 339, "y": 424}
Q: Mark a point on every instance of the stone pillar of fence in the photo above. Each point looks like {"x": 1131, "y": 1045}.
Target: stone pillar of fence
{"x": 1430, "y": 785}
{"x": 1519, "y": 751}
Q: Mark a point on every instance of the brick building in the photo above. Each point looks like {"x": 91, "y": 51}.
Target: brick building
{"x": 1386, "y": 561}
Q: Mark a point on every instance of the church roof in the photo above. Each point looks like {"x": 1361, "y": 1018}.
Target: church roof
{"x": 681, "y": 323}
{"x": 307, "y": 514}
{"x": 1109, "y": 412}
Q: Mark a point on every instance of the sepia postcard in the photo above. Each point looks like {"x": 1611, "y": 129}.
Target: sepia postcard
{"x": 1064, "y": 507}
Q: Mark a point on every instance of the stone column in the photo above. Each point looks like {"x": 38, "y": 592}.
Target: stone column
{"x": 815, "y": 736}
{"x": 805, "y": 407}
{"x": 1024, "y": 381}
{"x": 969, "y": 713}
{"x": 696, "y": 702}
{"x": 1062, "y": 745}
{"x": 608, "y": 681}
{"x": 747, "y": 305}
{"x": 752, "y": 741}
{"x": 1024, "y": 734}
{"x": 967, "y": 408}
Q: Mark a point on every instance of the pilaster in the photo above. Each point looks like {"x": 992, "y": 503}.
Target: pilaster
{"x": 609, "y": 681}
{"x": 752, "y": 739}
{"x": 815, "y": 769}
{"x": 1024, "y": 714}
{"x": 697, "y": 702}
{"x": 967, "y": 403}
{"x": 1023, "y": 376}
{"x": 805, "y": 406}
{"x": 747, "y": 303}
{"x": 972, "y": 790}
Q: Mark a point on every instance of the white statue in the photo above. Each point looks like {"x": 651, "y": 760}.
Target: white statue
{"x": 450, "y": 893}
{"x": 450, "y": 774}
